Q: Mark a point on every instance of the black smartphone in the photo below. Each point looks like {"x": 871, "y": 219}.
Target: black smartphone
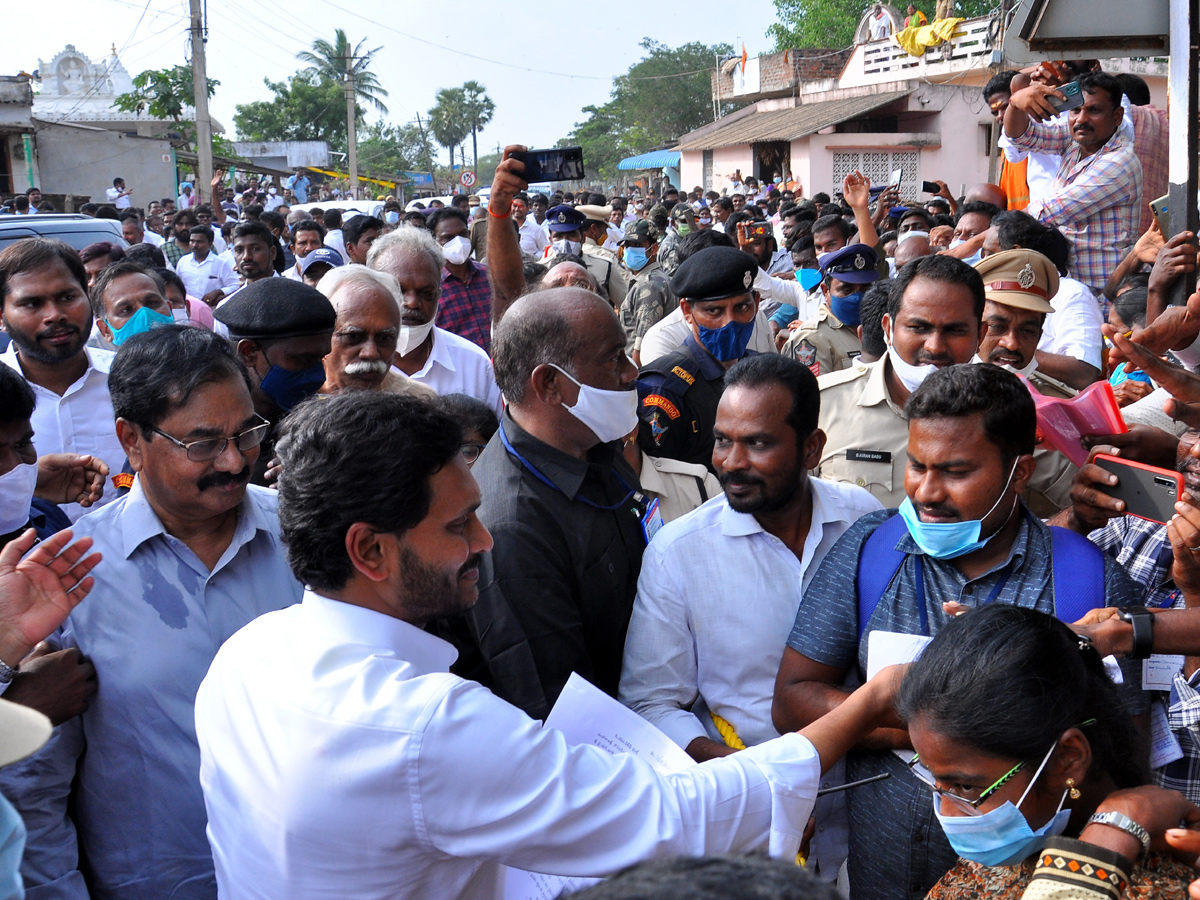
{"x": 931, "y": 187}
{"x": 1148, "y": 491}
{"x": 561, "y": 164}
{"x": 1073, "y": 93}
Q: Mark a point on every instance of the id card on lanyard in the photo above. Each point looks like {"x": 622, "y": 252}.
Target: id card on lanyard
{"x": 652, "y": 520}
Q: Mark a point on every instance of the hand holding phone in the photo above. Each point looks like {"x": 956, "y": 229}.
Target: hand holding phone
{"x": 1073, "y": 94}
{"x": 559, "y": 164}
{"x": 931, "y": 187}
{"x": 1148, "y": 492}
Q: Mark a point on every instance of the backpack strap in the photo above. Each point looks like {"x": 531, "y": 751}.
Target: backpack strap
{"x": 1078, "y": 567}
{"x": 878, "y": 563}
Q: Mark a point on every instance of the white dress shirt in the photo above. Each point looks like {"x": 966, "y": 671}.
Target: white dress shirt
{"x": 1073, "y": 329}
{"x": 339, "y": 758}
{"x": 113, "y": 195}
{"x": 154, "y": 240}
{"x": 337, "y": 241}
{"x": 458, "y": 366}
{"x": 80, "y": 421}
{"x": 534, "y": 238}
{"x": 668, "y": 334}
{"x": 213, "y": 273}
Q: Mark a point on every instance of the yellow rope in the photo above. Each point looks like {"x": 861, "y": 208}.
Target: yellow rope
{"x": 730, "y": 736}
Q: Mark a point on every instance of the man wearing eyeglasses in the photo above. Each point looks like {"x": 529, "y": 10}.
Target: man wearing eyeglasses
{"x": 190, "y": 555}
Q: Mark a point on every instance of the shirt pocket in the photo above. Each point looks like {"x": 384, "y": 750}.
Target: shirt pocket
{"x": 875, "y": 476}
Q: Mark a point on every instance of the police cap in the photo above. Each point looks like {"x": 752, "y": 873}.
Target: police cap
{"x": 564, "y": 218}
{"x": 1021, "y": 278}
{"x": 853, "y": 264}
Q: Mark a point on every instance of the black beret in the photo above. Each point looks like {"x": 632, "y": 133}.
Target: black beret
{"x": 714, "y": 273}
{"x": 277, "y": 308}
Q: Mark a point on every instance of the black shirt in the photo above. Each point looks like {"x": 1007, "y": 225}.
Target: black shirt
{"x": 564, "y": 572}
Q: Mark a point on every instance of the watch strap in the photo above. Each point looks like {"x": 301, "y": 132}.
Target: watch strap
{"x": 1126, "y": 824}
{"x": 7, "y": 672}
{"x": 1142, "y": 621}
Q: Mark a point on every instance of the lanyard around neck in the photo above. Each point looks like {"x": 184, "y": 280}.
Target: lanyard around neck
{"x": 533, "y": 470}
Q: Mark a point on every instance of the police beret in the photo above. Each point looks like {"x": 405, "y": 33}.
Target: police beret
{"x": 277, "y": 308}
{"x": 564, "y": 218}
{"x": 1021, "y": 278}
{"x": 714, "y": 273}
{"x": 853, "y": 264}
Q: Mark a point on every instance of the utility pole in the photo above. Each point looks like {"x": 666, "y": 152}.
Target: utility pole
{"x": 204, "y": 173}
{"x": 351, "y": 140}
{"x": 428, "y": 156}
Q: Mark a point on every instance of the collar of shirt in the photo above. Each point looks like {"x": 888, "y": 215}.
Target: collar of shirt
{"x": 139, "y": 522}
{"x": 565, "y": 472}
{"x": 99, "y": 360}
{"x": 439, "y": 354}
{"x": 339, "y": 623}
{"x": 473, "y": 272}
{"x": 876, "y": 390}
{"x": 710, "y": 369}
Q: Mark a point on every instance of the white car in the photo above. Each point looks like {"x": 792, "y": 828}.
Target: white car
{"x": 425, "y": 201}
{"x": 348, "y": 207}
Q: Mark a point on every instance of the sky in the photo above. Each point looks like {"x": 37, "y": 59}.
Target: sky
{"x": 541, "y": 64}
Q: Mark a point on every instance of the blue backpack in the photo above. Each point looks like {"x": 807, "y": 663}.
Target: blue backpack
{"x": 1077, "y": 565}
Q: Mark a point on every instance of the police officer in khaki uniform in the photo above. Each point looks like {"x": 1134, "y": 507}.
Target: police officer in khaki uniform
{"x": 678, "y": 486}
{"x": 678, "y": 393}
{"x": 565, "y": 224}
{"x": 829, "y": 342}
{"x": 602, "y": 263}
{"x": 934, "y": 319}
{"x": 1019, "y": 285}
{"x": 650, "y": 296}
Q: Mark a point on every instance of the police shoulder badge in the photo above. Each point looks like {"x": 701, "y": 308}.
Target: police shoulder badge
{"x": 806, "y": 353}
{"x": 1026, "y": 278}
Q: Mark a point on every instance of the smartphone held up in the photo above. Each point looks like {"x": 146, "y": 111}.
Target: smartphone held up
{"x": 559, "y": 164}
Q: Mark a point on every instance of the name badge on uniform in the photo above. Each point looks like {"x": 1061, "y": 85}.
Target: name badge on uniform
{"x": 880, "y": 456}
{"x": 652, "y": 520}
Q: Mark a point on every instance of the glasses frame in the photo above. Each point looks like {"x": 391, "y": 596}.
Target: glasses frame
{"x": 478, "y": 448}
{"x": 263, "y": 425}
{"x": 971, "y": 807}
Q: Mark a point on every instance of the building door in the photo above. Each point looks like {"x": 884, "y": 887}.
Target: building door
{"x": 878, "y": 166}
{"x": 707, "y": 180}
{"x": 6, "y": 184}
{"x": 772, "y": 159}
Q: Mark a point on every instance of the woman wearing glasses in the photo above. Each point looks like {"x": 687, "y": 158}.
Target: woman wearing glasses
{"x": 1035, "y": 767}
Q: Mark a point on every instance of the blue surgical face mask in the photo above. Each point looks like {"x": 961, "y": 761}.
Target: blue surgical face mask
{"x": 949, "y": 540}
{"x": 808, "y": 278}
{"x": 846, "y": 308}
{"x": 1001, "y": 837}
{"x": 142, "y": 320}
{"x": 391, "y": 217}
{"x": 973, "y": 258}
{"x": 12, "y": 846}
{"x": 635, "y": 258}
{"x": 289, "y": 388}
{"x": 727, "y": 343}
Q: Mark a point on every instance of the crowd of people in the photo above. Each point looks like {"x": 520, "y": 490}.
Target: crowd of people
{"x": 309, "y": 516}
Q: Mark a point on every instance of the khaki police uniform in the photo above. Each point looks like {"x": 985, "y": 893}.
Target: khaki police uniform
{"x": 867, "y": 442}
{"x": 824, "y": 343}
{"x": 679, "y": 486}
{"x": 604, "y": 267}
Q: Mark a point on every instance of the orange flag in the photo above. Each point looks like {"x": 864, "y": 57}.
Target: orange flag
{"x": 744, "y": 58}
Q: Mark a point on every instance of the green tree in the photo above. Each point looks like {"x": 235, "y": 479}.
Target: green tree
{"x": 334, "y": 62}
{"x": 384, "y": 150}
{"x": 806, "y": 24}
{"x": 479, "y": 110}
{"x": 164, "y": 94}
{"x": 448, "y": 120}
{"x": 666, "y": 94}
{"x": 305, "y": 108}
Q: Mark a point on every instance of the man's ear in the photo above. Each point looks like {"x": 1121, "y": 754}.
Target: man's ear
{"x": 814, "y": 446}
{"x": 131, "y": 440}
{"x": 248, "y": 352}
{"x": 104, "y": 329}
{"x": 552, "y": 387}
{"x": 1024, "y": 472}
{"x": 372, "y": 554}
{"x": 685, "y": 307}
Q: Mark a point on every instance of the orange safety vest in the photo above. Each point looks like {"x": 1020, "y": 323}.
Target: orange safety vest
{"x": 1015, "y": 183}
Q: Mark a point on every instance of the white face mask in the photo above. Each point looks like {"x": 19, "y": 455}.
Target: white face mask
{"x": 566, "y": 248}
{"x": 412, "y": 336}
{"x": 16, "y": 493}
{"x": 1029, "y": 369}
{"x": 910, "y": 376}
{"x": 457, "y": 250}
{"x": 610, "y": 414}
{"x": 181, "y": 316}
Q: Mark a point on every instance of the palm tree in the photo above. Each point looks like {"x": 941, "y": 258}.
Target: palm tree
{"x": 338, "y": 60}
{"x": 479, "y": 109}
{"x": 448, "y": 119}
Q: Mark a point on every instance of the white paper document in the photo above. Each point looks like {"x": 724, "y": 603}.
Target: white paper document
{"x": 891, "y": 648}
{"x": 587, "y": 715}
{"x": 1158, "y": 672}
{"x": 1164, "y": 746}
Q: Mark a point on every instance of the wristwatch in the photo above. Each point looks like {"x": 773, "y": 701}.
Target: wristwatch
{"x": 7, "y": 672}
{"x": 1142, "y": 621}
{"x": 1126, "y": 824}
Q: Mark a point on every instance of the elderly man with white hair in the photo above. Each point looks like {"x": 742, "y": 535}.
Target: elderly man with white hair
{"x": 365, "y": 333}
{"x": 437, "y": 358}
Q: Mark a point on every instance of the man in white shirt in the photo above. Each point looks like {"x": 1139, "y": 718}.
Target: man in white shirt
{"x": 307, "y": 235}
{"x": 134, "y": 233}
{"x": 534, "y": 237}
{"x": 185, "y": 196}
{"x": 118, "y": 194}
{"x": 45, "y": 310}
{"x": 206, "y": 275}
{"x": 433, "y": 356}
{"x": 719, "y": 587}
{"x": 274, "y": 201}
{"x": 340, "y": 758}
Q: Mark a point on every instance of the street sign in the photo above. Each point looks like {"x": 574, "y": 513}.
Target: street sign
{"x": 467, "y": 179}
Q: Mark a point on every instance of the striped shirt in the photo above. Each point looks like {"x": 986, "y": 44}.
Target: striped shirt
{"x": 1095, "y": 199}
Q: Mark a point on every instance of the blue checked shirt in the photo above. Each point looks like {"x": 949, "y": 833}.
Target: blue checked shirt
{"x": 1143, "y": 549}
{"x": 898, "y": 813}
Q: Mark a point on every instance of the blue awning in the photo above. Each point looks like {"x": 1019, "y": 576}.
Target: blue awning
{"x": 658, "y": 159}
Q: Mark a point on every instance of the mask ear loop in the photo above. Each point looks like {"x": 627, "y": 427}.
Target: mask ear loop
{"x": 1036, "y": 775}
